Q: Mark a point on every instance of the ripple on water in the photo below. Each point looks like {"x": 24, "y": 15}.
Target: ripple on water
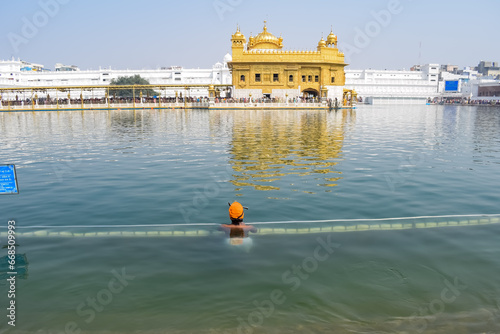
{"x": 164, "y": 167}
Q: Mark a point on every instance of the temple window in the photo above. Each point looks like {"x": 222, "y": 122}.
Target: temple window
{"x": 276, "y": 77}
{"x": 257, "y": 77}
{"x": 333, "y": 79}
{"x": 316, "y": 78}
{"x": 309, "y": 78}
{"x": 303, "y": 78}
{"x": 290, "y": 78}
{"x": 242, "y": 78}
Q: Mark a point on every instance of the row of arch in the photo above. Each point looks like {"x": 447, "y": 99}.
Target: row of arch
{"x": 308, "y": 78}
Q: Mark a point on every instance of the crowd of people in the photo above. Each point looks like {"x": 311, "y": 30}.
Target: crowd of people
{"x": 103, "y": 100}
{"x": 49, "y": 101}
{"x": 165, "y": 100}
{"x": 268, "y": 100}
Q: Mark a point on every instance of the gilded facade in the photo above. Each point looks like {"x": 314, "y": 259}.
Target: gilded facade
{"x": 261, "y": 68}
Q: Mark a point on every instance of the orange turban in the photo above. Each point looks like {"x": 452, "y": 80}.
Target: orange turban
{"x": 236, "y": 211}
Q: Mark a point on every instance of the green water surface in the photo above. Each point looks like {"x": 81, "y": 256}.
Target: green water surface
{"x": 182, "y": 167}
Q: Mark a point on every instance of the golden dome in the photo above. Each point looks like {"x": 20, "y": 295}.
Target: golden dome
{"x": 238, "y": 38}
{"x": 266, "y": 40}
{"x": 266, "y": 36}
{"x": 322, "y": 42}
{"x": 238, "y": 34}
{"x": 331, "y": 39}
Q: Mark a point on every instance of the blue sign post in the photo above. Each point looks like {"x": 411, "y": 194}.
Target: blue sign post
{"x": 451, "y": 86}
{"x": 8, "y": 180}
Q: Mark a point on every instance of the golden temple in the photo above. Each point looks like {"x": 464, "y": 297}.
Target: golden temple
{"x": 261, "y": 68}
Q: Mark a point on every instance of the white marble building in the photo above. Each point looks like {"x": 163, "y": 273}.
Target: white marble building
{"x": 394, "y": 86}
{"x": 374, "y": 86}
{"x": 17, "y": 73}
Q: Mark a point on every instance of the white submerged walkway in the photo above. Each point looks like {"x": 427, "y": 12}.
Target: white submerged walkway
{"x": 263, "y": 228}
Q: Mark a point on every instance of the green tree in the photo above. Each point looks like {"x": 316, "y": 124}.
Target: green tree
{"x": 128, "y": 92}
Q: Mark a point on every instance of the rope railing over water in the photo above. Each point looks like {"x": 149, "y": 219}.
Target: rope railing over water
{"x": 263, "y": 228}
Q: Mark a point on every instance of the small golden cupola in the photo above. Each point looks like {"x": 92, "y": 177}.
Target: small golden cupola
{"x": 251, "y": 41}
{"x": 238, "y": 39}
{"x": 322, "y": 43}
{"x": 331, "y": 40}
{"x": 265, "y": 40}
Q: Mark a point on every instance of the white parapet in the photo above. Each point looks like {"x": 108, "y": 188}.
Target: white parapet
{"x": 286, "y": 93}
{"x": 335, "y": 92}
{"x": 246, "y": 93}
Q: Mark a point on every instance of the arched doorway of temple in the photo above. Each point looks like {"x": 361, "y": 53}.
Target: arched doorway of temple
{"x": 310, "y": 93}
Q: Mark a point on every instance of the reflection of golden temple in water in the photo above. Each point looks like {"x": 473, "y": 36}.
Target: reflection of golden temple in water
{"x": 267, "y": 148}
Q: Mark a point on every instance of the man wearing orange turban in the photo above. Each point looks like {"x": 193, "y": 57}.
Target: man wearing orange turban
{"x": 237, "y": 231}
{"x": 236, "y": 213}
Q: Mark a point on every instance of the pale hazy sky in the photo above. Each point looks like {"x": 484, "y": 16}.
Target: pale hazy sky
{"x": 379, "y": 34}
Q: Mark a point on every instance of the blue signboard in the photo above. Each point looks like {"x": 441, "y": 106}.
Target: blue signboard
{"x": 451, "y": 86}
{"x": 8, "y": 180}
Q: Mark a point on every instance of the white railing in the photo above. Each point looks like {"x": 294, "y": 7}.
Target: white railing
{"x": 268, "y": 105}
